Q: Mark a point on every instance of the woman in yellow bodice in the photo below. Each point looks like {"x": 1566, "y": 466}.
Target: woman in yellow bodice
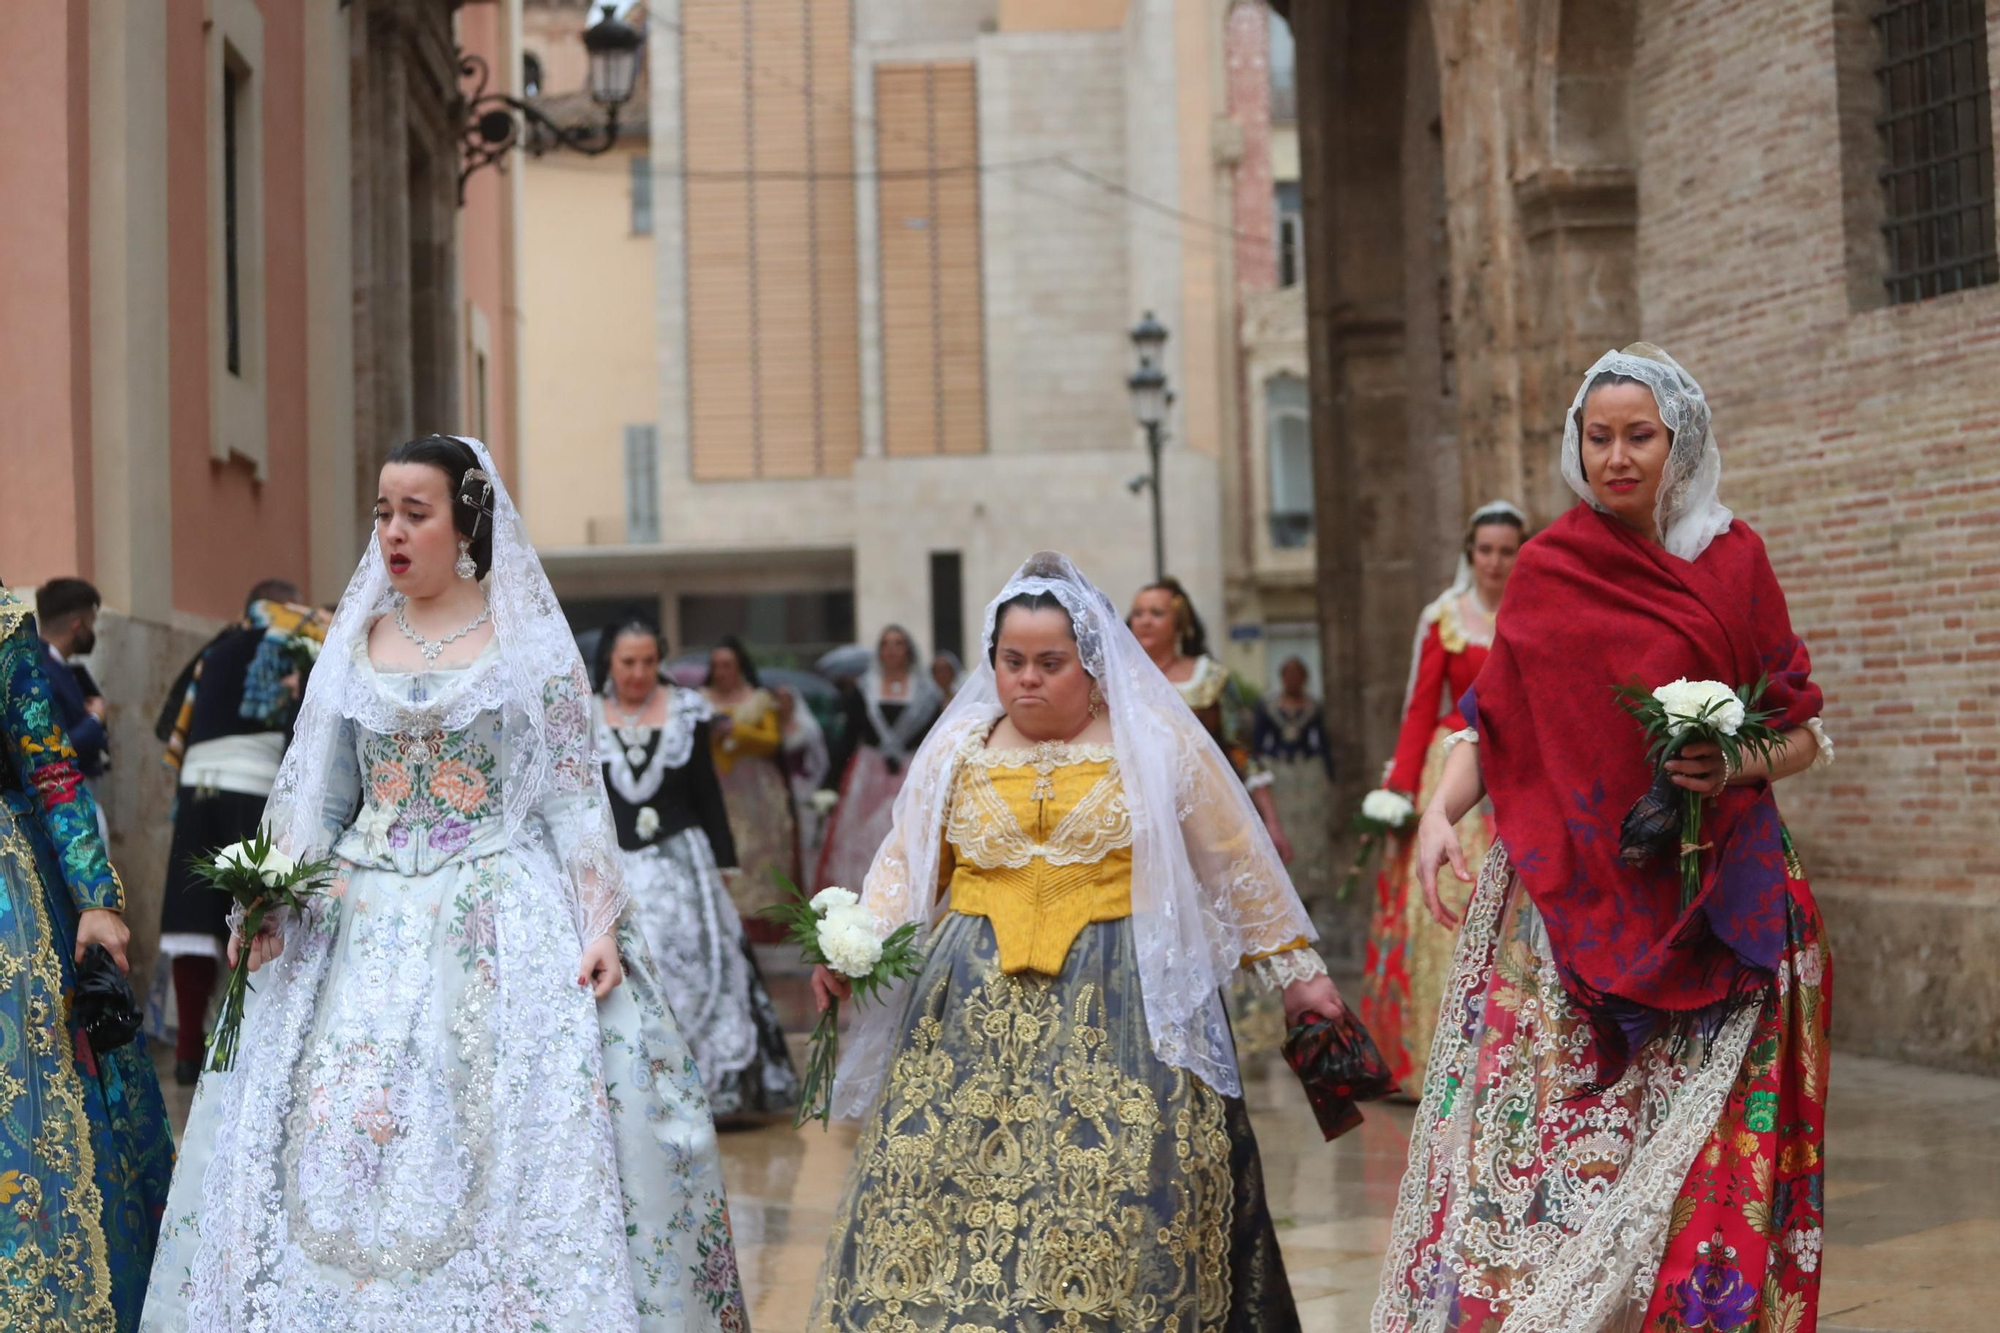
{"x": 1053, "y": 1135}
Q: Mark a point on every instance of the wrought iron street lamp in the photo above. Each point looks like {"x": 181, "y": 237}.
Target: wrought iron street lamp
{"x": 1150, "y": 400}
{"x": 493, "y": 120}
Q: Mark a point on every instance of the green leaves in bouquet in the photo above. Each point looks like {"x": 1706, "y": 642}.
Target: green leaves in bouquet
{"x": 1371, "y": 836}
{"x": 900, "y": 959}
{"x": 243, "y": 880}
{"x": 1753, "y": 737}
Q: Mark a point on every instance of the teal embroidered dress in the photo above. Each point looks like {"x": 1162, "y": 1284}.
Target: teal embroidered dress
{"x": 85, "y": 1156}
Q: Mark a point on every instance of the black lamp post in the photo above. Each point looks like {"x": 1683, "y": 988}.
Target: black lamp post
{"x": 1150, "y": 399}
{"x": 493, "y": 120}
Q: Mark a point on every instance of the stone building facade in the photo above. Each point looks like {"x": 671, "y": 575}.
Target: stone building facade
{"x": 1497, "y": 191}
{"x": 233, "y": 273}
{"x": 897, "y": 248}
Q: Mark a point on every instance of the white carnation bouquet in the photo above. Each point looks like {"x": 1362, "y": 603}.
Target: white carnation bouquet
{"x": 833, "y": 929}
{"x": 258, "y": 879}
{"x": 1674, "y": 716}
{"x": 1383, "y": 814}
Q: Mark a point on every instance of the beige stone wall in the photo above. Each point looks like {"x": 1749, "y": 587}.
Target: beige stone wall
{"x": 588, "y": 352}
{"x": 1057, "y": 303}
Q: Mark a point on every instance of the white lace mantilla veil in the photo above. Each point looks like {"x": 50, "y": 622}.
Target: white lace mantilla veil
{"x": 1186, "y": 919}
{"x": 1689, "y": 513}
{"x": 538, "y": 683}
{"x": 1461, "y": 583}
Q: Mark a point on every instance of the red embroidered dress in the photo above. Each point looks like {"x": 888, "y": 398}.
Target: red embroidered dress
{"x": 1409, "y": 954}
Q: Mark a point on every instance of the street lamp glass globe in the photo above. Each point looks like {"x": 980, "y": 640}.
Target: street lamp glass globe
{"x": 613, "y": 45}
{"x": 1149, "y": 394}
{"x": 1149, "y": 338}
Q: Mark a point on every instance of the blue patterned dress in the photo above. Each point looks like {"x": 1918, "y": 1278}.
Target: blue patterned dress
{"x": 85, "y": 1155}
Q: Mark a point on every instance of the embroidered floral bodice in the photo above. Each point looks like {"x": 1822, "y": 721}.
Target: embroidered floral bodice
{"x": 424, "y": 794}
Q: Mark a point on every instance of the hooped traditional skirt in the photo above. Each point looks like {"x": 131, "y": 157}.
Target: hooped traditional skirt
{"x": 1409, "y": 954}
{"x": 1687, "y": 1198}
{"x": 1031, "y": 1166}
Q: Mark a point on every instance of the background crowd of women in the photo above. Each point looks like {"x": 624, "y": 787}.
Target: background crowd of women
{"x": 445, "y": 1111}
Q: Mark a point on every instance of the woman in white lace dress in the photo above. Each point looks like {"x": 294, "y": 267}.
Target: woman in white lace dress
{"x": 455, "y": 1107}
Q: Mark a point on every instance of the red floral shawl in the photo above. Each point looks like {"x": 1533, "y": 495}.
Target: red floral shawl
{"x": 1591, "y": 606}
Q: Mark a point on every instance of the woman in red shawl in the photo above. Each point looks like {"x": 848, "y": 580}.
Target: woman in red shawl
{"x": 1622, "y": 1124}
{"x": 1409, "y": 954}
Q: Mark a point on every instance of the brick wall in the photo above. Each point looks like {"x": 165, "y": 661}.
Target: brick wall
{"x": 1698, "y": 173}
{"x": 1864, "y": 444}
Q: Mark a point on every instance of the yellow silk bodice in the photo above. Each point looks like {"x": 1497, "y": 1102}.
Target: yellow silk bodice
{"x": 1039, "y": 842}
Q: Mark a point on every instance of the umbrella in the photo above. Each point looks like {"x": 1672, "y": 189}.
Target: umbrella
{"x": 851, "y": 661}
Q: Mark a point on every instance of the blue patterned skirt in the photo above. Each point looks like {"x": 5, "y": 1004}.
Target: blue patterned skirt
{"x": 85, "y": 1154}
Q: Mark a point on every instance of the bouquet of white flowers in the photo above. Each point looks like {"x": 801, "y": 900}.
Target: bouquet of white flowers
{"x": 257, "y": 877}
{"x": 833, "y": 929}
{"x": 823, "y": 802}
{"x": 1675, "y": 716}
{"x": 1383, "y": 813}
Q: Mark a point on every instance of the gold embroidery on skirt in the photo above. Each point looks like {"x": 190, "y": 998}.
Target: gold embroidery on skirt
{"x": 985, "y": 1188}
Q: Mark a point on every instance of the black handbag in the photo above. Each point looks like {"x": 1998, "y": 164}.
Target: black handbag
{"x": 104, "y": 1006}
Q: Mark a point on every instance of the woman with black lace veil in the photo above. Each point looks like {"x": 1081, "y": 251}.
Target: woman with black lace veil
{"x": 1053, "y": 1133}
{"x": 674, "y": 842}
{"x": 460, "y": 1099}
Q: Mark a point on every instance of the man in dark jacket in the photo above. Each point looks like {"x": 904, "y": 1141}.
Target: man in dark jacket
{"x": 226, "y": 723}
{"x": 66, "y": 611}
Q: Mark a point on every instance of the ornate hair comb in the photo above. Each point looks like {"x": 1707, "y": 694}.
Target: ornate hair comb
{"x": 480, "y": 499}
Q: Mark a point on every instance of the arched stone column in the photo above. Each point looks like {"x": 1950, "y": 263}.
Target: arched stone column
{"x": 1437, "y": 501}
{"x": 1577, "y": 199}
{"x": 1351, "y": 57}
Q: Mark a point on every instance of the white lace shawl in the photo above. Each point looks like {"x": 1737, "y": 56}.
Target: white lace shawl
{"x": 532, "y": 675}
{"x": 686, "y": 710}
{"x": 1689, "y": 513}
{"x": 1208, "y": 888}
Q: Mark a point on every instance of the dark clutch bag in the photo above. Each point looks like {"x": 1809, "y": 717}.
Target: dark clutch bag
{"x": 1337, "y": 1062}
{"x": 104, "y": 1006}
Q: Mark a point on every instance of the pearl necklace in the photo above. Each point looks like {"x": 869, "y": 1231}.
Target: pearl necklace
{"x": 432, "y": 650}
{"x": 631, "y": 734}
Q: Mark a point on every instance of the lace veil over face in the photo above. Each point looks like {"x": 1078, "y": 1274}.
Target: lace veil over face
{"x": 1200, "y": 853}
{"x": 532, "y": 674}
{"x": 1688, "y": 513}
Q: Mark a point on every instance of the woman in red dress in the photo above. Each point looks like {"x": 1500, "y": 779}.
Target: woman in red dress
{"x": 1408, "y": 953}
{"x": 1623, "y": 1124}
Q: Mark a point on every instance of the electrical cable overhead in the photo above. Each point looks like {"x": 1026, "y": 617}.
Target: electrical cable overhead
{"x": 1059, "y": 161}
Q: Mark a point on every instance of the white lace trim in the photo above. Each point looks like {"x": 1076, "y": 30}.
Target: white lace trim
{"x": 1567, "y": 1244}
{"x": 1463, "y": 736}
{"x": 1824, "y": 759}
{"x": 1276, "y": 971}
{"x": 686, "y": 711}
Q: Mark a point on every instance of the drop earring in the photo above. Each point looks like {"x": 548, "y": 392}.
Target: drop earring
{"x": 466, "y": 567}
{"x": 1096, "y": 703}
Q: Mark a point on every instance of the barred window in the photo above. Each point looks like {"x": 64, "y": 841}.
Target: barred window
{"x": 1936, "y": 125}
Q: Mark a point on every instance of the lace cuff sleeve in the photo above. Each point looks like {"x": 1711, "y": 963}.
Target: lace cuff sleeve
{"x": 1276, "y": 971}
{"x": 1463, "y": 736}
{"x": 577, "y": 811}
{"x": 1823, "y": 759}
